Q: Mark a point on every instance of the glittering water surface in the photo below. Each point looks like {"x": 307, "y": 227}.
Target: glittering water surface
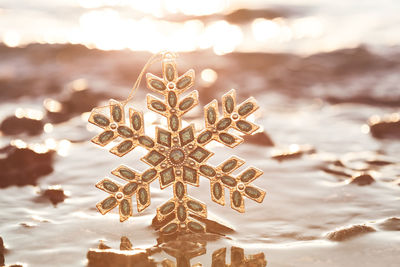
{"x": 303, "y": 202}
{"x": 302, "y": 26}
{"x": 315, "y": 108}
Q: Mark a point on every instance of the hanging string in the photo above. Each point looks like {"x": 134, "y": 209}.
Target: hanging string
{"x": 155, "y": 58}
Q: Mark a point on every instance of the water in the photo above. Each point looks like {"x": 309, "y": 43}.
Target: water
{"x": 324, "y": 101}
{"x": 301, "y": 26}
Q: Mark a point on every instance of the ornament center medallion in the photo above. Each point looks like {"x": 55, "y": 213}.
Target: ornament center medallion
{"x": 177, "y": 156}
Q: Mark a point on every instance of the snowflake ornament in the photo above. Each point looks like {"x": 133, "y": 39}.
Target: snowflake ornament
{"x": 176, "y": 156}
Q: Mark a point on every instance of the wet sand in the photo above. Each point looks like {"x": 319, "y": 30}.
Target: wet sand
{"x": 317, "y": 108}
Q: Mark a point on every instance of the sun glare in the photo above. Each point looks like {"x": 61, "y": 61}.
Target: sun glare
{"x": 11, "y": 38}
{"x": 159, "y": 8}
{"x": 98, "y": 29}
{"x": 28, "y": 113}
{"x": 222, "y": 36}
{"x": 209, "y": 76}
{"x": 157, "y": 25}
{"x": 264, "y": 29}
{"x": 193, "y": 7}
{"x": 52, "y": 105}
{"x": 276, "y": 30}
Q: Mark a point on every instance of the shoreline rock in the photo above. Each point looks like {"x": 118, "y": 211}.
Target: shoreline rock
{"x": 13, "y": 126}
{"x": 362, "y": 179}
{"x": 384, "y": 127}
{"x": 390, "y": 224}
{"x": 2, "y": 261}
{"x": 349, "y": 232}
{"x": 55, "y": 195}
{"x": 23, "y": 166}
{"x": 260, "y": 138}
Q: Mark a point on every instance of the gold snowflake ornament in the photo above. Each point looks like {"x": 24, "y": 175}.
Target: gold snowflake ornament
{"x": 176, "y": 156}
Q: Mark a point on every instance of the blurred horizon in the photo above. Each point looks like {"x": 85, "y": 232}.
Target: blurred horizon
{"x": 325, "y": 75}
{"x": 297, "y": 26}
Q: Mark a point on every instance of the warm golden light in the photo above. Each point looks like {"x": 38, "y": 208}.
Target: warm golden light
{"x": 159, "y": 8}
{"x": 374, "y": 119}
{"x": 96, "y": 3}
{"x": 272, "y": 31}
{"x": 39, "y": 148}
{"x": 193, "y": 7}
{"x": 48, "y": 128}
{"x": 51, "y": 143}
{"x": 79, "y": 84}
{"x": 28, "y": 113}
{"x": 11, "y": 38}
{"x": 222, "y": 36}
{"x": 308, "y": 27}
{"x": 18, "y": 143}
{"x": 209, "y": 76}
{"x": 52, "y": 105}
{"x": 294, "y": 148}
{"x": 264, "y": 29}
{"x": 97, "y": 29}
{"x": 63, "y": 147}
{"x": 188, "y": 25}
{"x": 365, "y": 129}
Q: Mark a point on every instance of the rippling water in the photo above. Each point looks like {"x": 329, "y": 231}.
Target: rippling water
{"x": 304, "y": 199}
{"x": 320, "y": 103}
{"x": 299, "y": 26}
